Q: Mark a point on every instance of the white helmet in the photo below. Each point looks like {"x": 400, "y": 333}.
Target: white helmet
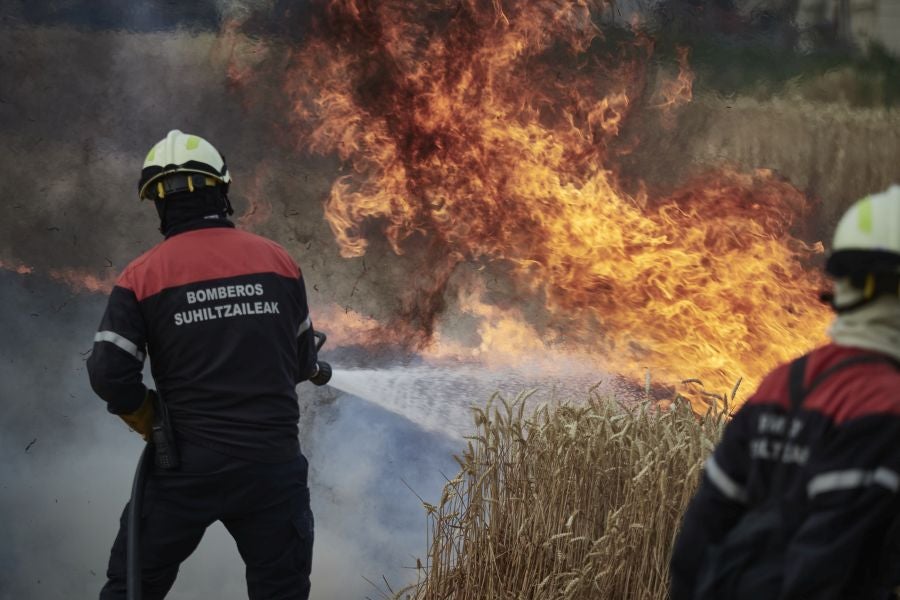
{"x": 181, "y": 162}
{"x": 865, "y": 255}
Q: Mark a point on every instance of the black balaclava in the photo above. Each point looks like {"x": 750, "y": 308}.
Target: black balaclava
{"x": 184, "y": 211}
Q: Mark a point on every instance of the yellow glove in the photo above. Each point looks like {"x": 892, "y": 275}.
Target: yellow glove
{"x": 141, "y": 420}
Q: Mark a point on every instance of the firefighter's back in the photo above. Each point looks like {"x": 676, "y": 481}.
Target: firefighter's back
{"x": 223, "y": 308}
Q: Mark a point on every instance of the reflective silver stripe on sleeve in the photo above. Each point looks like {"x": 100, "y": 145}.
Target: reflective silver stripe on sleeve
{"x": 304, "y": 326}
{"x": 725, "y": 484}
{"x": 849, "y": 479}
{"x": 123, "y": 343}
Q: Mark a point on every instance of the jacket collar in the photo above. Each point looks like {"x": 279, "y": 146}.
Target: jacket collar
{"x": 201, "y": 223}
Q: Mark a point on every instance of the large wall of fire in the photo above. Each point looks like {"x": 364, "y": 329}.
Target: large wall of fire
{"x": 457, "y": 179}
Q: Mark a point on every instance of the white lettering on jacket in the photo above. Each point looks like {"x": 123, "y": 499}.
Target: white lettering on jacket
{"x": 767, "y": 449}
{"x": 226, "y": 311}
{"x": 223, "y": 292}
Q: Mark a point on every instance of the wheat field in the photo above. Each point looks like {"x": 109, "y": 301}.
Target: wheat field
{"x": 574, "y": 501}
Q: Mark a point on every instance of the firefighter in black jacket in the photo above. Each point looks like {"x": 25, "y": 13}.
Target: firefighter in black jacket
{"x": 223, "y": 316}
{"x": 799, "y": 498}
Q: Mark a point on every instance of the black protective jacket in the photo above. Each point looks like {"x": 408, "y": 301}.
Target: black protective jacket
{"x": 839, "y": 482}
{"x": 223, "y": 316}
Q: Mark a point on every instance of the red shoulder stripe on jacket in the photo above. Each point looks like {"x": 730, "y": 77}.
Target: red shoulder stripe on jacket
{"x": 225, "y": 253}
{"x": 843, "y": 396}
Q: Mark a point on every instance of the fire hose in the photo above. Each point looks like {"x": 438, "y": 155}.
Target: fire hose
{"x": 135, "y": 505}
{"x": 162, "y": 448}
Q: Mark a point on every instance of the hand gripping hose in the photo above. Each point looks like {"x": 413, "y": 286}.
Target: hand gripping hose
{"x": 133, "y": 553}
{"x": 320, "y": 339}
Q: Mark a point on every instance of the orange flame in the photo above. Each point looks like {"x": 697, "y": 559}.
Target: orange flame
{"x": 260, "y": 209}
{"x": 20, "y": 268}
{"x": 679, "y": 91}
{"x": 78, "y": 280}
{"x": 242, "y": 54}
{"x": 489, "y": 130}
{"x": 85, "y": 281}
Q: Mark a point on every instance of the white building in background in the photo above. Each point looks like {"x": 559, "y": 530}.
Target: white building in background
{"x": 879, "y": 21}
{"x": 859, "y": 21}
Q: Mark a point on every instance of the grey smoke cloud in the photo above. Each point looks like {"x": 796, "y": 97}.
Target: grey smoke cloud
{"x": 79, "y": 108}
{"x": 67, "y": 467}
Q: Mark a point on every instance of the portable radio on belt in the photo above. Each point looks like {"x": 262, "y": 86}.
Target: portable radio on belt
{"x": 163, "y": 437}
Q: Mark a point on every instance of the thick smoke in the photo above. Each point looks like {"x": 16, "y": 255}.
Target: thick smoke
{"x": 68, "y": 465}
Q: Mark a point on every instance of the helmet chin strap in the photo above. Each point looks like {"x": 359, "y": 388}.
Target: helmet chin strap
{"x": 828, "y": 298}
{"x": 860, "y": 290}
{"x": 228, "y": 209}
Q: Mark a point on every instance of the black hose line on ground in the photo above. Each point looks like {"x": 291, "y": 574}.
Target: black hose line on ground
{"x": 135, "y": 506}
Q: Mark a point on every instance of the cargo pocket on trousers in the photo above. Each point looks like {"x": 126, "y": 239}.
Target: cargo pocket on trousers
{"x": 304, "y": 525}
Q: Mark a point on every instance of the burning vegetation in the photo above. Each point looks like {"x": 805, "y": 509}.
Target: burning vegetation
{"x": 491, "y": 133}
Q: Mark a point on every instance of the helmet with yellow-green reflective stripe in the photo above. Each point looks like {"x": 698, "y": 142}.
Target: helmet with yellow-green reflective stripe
{"x": 865, "y": 252}
{"x": 181, "y": 162}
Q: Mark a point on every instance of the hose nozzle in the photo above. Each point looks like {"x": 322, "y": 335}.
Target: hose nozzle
{"x": 322, "y": 374}
{"x": 323, "y": 369}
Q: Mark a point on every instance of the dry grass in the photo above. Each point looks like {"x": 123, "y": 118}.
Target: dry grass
{"x": 575, "y": 502}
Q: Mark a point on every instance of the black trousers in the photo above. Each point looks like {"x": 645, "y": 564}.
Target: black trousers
{"x": 265, "y": 507}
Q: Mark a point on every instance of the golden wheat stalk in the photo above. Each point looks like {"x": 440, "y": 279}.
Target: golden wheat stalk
{"x": 566, "y": 502}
